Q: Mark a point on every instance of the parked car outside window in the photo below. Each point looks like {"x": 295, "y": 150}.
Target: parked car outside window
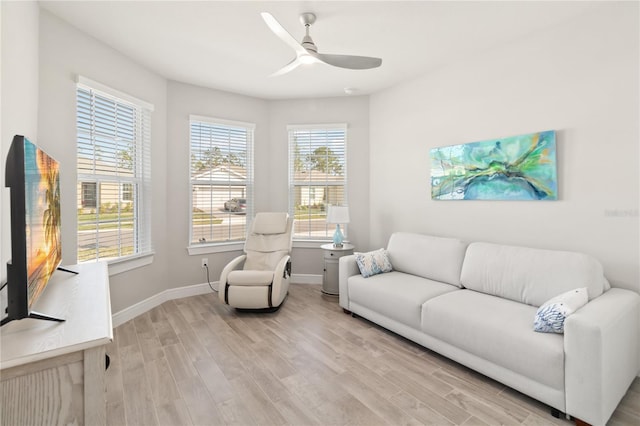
{"x": 236, "y": 205}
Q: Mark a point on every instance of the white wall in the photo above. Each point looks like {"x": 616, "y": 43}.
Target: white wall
{"x": 64, "y": 53}
{"x": 271, "y": 166}
{"x": 351, "y": 110}
{"x": 184, "y": 100}
{"x": 579, "y": 78}
{"x": 18, "y": 100}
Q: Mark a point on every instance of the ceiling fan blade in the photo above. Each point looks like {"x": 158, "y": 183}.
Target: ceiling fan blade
{"x": 279, "y": 30}
{"x": 349, "y": 61}
{"x": 287, "y": 68}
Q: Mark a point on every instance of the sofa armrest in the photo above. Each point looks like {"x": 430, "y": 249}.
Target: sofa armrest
{"x": 234, "y": 264}
{"x": 347, "y": 268}
{"x": 601, "y": 354}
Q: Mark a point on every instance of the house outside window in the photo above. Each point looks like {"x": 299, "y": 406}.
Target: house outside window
{"x": 221, "y": 180}
{"x": 317, "y": 177}
{"x": 113, "y": 174}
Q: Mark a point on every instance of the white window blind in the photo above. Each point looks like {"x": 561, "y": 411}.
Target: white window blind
{"x": 317, "y": 176}
{"x": 114, "y": 175}
{"x": 221, "y": 164}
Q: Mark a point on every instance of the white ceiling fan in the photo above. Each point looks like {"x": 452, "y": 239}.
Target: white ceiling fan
{"x": 307, "y": 52}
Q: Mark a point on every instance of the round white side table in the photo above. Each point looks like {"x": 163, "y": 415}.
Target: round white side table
{"x": 331, "y": 258}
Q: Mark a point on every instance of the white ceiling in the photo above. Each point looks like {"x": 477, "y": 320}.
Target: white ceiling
{"x": 226, "y": 45}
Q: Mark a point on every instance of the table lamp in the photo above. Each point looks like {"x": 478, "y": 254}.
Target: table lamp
{"x": 338, "y": 215}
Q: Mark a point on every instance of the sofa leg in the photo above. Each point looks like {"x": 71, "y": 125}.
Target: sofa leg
{"x": 556, "y": 413}
{"x": 348, "y": 312}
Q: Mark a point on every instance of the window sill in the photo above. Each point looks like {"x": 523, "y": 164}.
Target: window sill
{"x": 118, "y": 266}
{"x": 215, "y": 248}
{"x": 239, "y": 245}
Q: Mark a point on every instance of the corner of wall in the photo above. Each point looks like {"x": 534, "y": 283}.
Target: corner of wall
{"x": 19, "y": 68}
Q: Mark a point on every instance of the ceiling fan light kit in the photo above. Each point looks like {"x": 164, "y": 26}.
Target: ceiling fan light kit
{"x": 307, "y": 51}
{"x": 307, "y": 59}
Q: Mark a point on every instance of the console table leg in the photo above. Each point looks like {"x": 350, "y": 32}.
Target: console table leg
{"x": 95, "y": 412}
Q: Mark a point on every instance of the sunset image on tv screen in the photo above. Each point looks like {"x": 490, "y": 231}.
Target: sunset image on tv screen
{"x": 42, "y": 205}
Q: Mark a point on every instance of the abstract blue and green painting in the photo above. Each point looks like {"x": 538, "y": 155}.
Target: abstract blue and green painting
{"x": 513, "y": 168}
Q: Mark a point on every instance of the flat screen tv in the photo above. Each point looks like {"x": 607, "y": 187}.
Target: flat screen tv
{"x": 36, "y": 252}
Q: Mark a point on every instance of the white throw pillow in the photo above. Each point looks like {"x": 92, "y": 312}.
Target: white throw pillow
{"x": 373, "y": 262}
{"x": 551, "y": 315}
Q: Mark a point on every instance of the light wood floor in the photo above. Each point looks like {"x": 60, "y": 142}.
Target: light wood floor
{"x": 197, "y": 361}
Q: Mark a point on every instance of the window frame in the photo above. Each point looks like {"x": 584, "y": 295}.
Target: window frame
{"x": 310, "y": 240}
{"x": 195, "y": 248}
{"x": 142, "y": 240}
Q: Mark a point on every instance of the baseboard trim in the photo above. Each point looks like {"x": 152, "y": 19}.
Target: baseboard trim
{"x": 149, "y": 303}
{"x": 306, "y": 279}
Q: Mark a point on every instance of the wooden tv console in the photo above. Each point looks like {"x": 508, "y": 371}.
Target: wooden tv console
{"x": 54, "y": 372}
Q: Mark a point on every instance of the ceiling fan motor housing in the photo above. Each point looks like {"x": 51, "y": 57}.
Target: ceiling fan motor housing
{"x": 308, "y": 44}
{"x": 307, "y": 20}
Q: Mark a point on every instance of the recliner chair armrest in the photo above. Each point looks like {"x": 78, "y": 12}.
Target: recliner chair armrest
{"x": 601, "y": 354}
{"x": 281, "y": 277}
{"x": 347, "y": 268}
{"x": 234, "y": 264}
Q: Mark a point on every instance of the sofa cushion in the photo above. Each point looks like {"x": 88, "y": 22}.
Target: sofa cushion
{"x": 529, "y": 275}
{"x": 551, "y": 314}
{"x": 396, "y": 295}
{"x": 497, "y": 330}
{"x": 435, "y": 258}
{"x": 373, "y": 263}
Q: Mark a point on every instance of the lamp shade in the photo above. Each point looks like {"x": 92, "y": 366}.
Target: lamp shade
{"x": 338, "y": 214}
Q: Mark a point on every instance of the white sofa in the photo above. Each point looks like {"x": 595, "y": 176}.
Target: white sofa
{"x": 476, "y": 304}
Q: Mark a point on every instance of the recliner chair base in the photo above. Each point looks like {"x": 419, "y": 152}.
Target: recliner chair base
{"x": 264, "y": 310}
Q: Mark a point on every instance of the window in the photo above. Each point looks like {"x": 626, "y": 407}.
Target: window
{"x": 221, "y": 179}
{"x": 88, "y": 198}
{"x": 113, "y": 137}
{"x": 127, "y": 192}
{"x": 317, "y": 176}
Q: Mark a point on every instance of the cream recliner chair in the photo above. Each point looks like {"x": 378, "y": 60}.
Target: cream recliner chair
{"x": 259, "y": 279}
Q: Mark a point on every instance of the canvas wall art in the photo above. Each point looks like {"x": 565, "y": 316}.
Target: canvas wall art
{"x": 513, "y": 168}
